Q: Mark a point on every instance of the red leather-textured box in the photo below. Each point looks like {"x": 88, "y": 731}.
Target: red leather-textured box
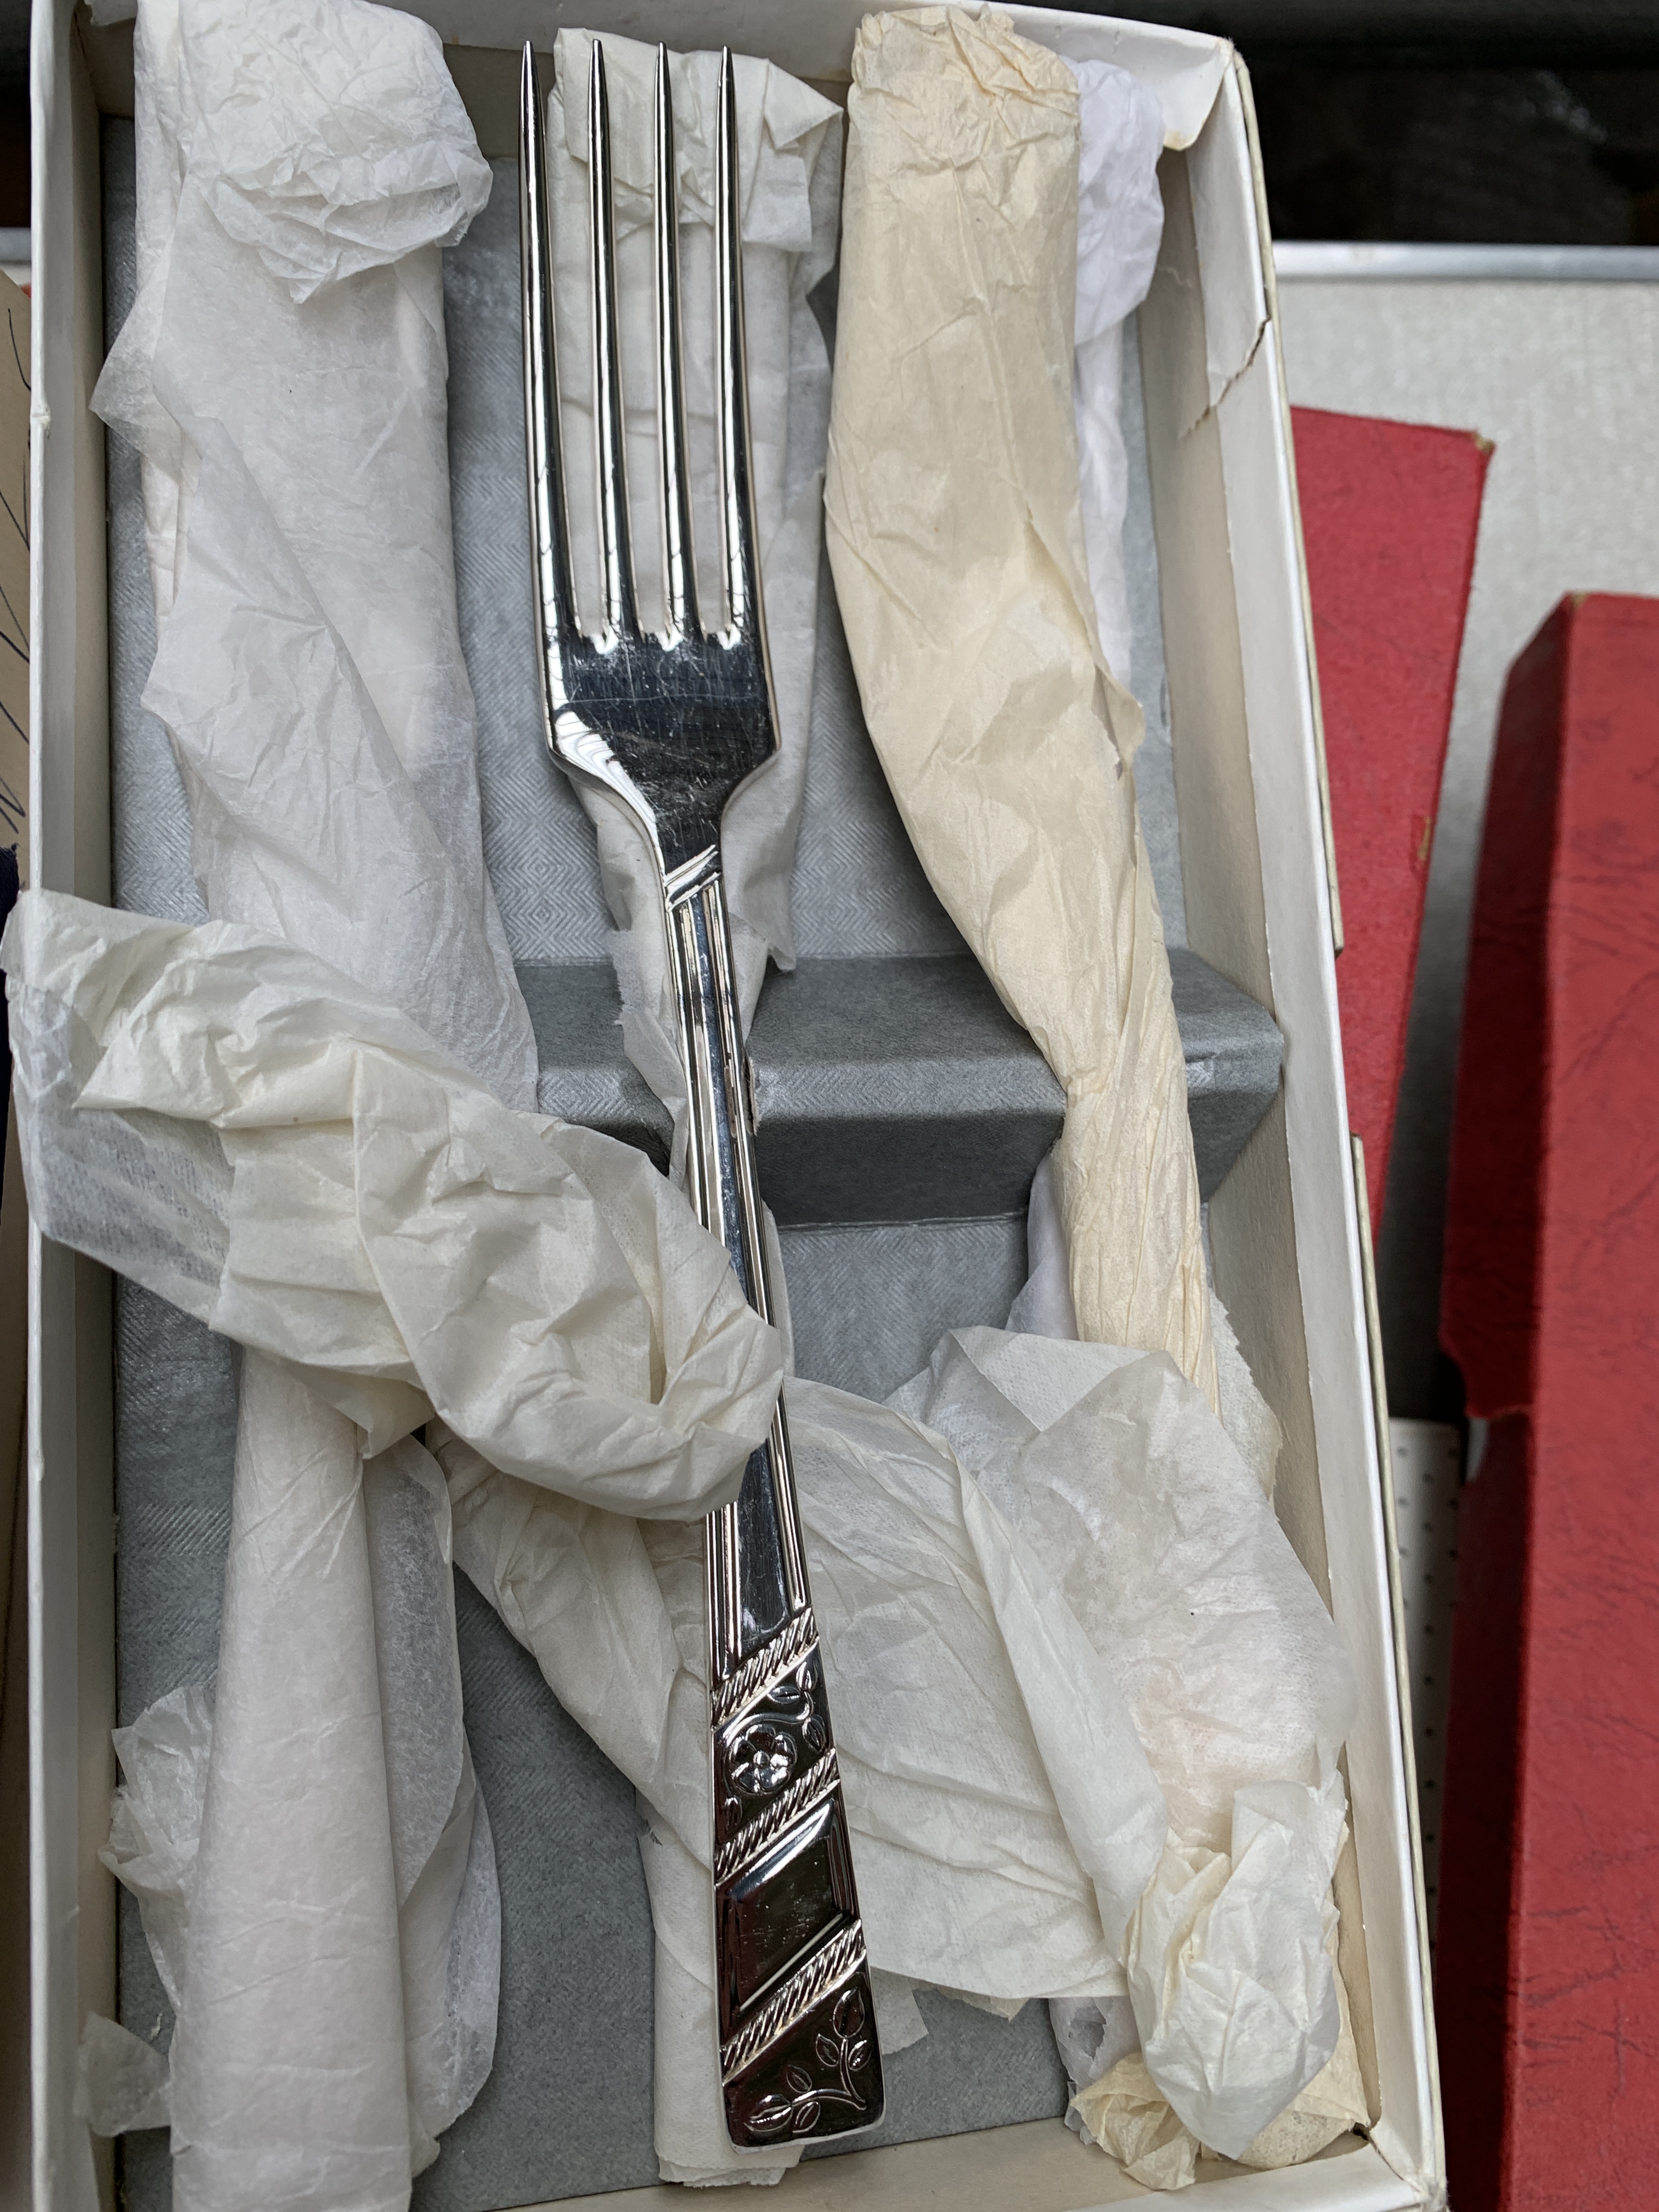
{"x": 1547, "y": 1963}
{"x": 1390, "y": 513}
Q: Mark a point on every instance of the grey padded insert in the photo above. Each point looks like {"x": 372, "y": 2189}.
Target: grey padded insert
{"x": 890, "y": 1089}
{"x": 886, "y": 1045}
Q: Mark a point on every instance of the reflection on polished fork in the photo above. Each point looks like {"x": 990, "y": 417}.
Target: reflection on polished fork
{"x": 672, "y": 724}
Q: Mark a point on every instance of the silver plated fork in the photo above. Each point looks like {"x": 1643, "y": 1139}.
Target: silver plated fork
{"x": 672, "y": 724}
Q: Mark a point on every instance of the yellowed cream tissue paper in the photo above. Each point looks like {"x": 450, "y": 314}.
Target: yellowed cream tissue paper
{"x": 956, "y": 543}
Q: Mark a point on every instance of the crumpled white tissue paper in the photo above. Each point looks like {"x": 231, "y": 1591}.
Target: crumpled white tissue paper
{"x": 1015, "y": 1569}
{"x": 1005, "y": 1820}
{"x": 344, "y": 1199}
{"x": 1200, "y": 1948}
{"x": 789, "y": 164}
{"x": 155, "y": 1821}
{"x": 972, "y": 1871}
{"x": 282, "y": 373}
{"x": 122, "y": 2080}
{"x": 1118, "y": 2104}
{"x": 1011, "y": 1869}
{"x": 1157, "y": 1533}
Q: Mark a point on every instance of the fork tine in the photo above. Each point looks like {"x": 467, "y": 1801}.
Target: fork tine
{"x": 737, "y": 486}
{"x": 615, "y": 555}
{"x": 679, "y": 582}
{"x": 550, "y": 524}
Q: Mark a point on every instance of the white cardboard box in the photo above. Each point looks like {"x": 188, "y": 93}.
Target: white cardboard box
{"x": 1289, "y": 1250}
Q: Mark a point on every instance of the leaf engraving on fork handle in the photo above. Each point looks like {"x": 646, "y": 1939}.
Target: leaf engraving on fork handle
{"x": 798, "y": 2058}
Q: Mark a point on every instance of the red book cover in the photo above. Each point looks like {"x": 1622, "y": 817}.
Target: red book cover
{"x": 1547, "y": 1967}
{"x": 1390, "y": 511}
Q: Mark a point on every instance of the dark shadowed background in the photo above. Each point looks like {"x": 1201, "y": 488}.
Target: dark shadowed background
{"x": 1489, "y": 120}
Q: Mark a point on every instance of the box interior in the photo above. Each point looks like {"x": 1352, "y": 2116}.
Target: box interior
{"x": 874, "y": 1266}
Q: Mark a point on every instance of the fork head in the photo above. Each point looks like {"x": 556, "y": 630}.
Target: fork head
{"x": 672, "y": 721}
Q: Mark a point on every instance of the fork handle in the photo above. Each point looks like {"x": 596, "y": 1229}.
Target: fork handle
{"x": 798, "y": 2058}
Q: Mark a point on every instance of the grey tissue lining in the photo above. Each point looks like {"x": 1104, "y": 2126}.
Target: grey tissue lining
{"x": 888, "y": 1030}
